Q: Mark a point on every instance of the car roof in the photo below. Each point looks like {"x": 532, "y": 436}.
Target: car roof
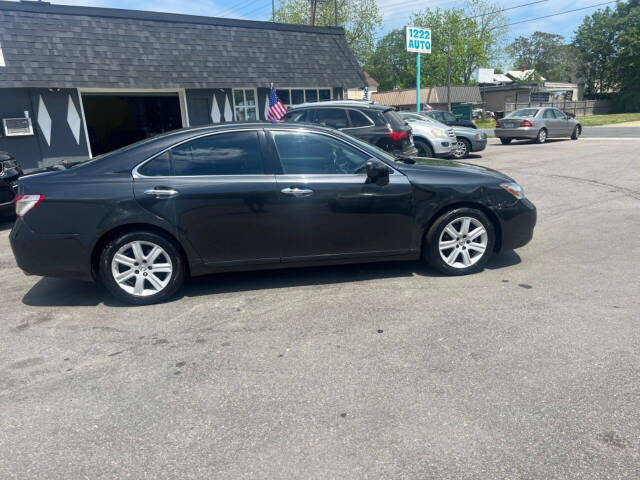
{"x": 368, "y": 104}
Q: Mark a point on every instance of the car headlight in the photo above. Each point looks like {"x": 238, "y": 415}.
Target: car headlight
{"x": 479, "y": 136}
{"x": 438, "y": 133}
{"x": 514, "y": 189}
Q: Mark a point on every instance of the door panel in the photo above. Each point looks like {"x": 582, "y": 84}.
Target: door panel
{"x": 345, "y": 215}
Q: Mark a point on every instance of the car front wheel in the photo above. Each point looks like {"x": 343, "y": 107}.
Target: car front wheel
{"x": 460, "y": 242}
{"x": 141, "y": 268}
{"x": 424, "y": 149}
{"x": 463, "y": 147}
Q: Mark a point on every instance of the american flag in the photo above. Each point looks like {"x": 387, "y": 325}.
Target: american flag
{"x": 427, "y": 107}
{"x": 366, "y": 93}
{"x": 277, "y": 109}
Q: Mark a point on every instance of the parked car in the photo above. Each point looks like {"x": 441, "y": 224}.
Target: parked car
{"x": 9, "y": 172}
{"x": 255, "y": 196}
{"x": 377, "y": 124}
{"x": 448, "y": 118}
{"x": 466, "y": 139}
{"x": 430, "y": 138}
{"x": 537, "y": 124}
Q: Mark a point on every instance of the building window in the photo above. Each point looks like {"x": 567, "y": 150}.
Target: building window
{"x": 296, "y": 96}
{"x": 245, "y": 104}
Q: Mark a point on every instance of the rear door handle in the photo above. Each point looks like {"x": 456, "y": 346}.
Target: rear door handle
{"x": 160, "y": 192}
{"x": 297, "y": 192}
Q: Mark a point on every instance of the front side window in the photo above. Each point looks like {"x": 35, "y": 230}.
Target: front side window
{"x": 306, "y": 153}
{"x": 244, "y": 104}
{"x": 332, "y": 117}
{"x": 232, "y": 153}
{"x": 548, "y": 114}
{"x": 559, "y": 114}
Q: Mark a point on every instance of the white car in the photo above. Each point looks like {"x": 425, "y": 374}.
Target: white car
{"x": 430, "y": 139}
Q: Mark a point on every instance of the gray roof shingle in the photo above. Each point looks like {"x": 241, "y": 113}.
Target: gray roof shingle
{"x": 63, "y": 46}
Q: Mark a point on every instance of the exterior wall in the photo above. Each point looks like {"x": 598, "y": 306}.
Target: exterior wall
{"x": 357, "y": 93}
{"x": 34, "y": 151}
{"x": 495, "y": 100}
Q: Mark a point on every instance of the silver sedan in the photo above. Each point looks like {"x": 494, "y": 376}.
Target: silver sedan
{"x": 537, "y": 123}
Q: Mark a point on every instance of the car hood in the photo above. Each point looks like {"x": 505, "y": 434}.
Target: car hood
{"x": 425, "y": 168}
{"x": 419, "y": 126}
{"x": 465, "y": 130}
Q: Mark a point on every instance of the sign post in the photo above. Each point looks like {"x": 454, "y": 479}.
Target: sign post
{"x": 418, "y": 41}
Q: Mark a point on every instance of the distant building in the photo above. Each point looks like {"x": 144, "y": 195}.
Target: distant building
{"x": 358, "y": 93}
{"x": 436, "y": 97}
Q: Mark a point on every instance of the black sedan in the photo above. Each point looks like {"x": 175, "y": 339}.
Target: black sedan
{"x": 255, "y": 196}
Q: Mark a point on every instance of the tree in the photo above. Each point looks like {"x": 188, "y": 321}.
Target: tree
{"x": 361, "y": 19}
{"x": 544, "y": 52}
{"x": 627, "y": 60}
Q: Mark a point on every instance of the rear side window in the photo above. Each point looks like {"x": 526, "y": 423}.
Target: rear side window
{"x": 233, "y": 153}
{"x": 332, "y": 117}
{"x": 358, "y": 119}
{"x": 393, "y": 119}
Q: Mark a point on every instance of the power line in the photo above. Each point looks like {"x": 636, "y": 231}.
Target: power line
{"x": 556, "y": 14}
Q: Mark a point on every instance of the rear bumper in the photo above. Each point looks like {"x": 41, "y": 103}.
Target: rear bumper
{"x": 524, "y": 132}
{"x": 59, "y": 255}
{"x": 517, "y": 223}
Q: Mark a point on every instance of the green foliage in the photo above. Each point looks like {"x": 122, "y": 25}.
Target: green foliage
{"x": 360, "y": 19}
{"x": 471, "y": 42}
{"x": 608, "y": 48}
{"x": 547, "y": 53}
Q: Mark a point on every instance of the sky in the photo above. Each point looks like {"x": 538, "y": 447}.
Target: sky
{"x": 395, "y": 12}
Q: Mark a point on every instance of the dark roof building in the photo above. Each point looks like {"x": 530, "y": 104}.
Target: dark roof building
{"x": 92, "y": 79}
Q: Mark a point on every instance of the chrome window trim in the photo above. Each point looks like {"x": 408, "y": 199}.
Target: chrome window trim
{"x": 136, "y": 174}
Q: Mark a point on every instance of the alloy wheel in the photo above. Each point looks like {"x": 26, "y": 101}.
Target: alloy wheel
{"x": 141, "y": 268}
{"x": 463, "y": 242}
{"x": 461, "y": 149}
{"x": 542, "y": 136}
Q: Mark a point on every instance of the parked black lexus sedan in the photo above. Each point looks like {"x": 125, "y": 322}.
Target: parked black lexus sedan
{"x": 9, "y": 172}
{"x": 257, "y": 196}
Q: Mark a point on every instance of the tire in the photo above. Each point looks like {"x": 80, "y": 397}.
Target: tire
{"x": 445, "y": 259}
{"x": 542, "y": 136}
{"x": 576, "y": 133}
{"x": 141, "y": 283}
{"x": 462, "y": 149}
{"x": 505, "y": 141}
{"x": 424, "y": 149}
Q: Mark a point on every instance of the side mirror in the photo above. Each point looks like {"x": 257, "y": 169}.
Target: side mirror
{"x": 377, "y": 170}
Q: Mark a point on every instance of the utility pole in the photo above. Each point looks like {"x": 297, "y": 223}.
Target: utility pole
{"x": 335, "y": 11}
{"x": 449, "y": 78}
{"x": 314, "y": 3}
{"x": 273, "y": 10}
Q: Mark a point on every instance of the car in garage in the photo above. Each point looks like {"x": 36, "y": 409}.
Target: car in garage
{"x": 537, "y": 124}
{"x": 377, "y": 124}
{"x": 257, "y": 196}
{"x": 467, "y": 140}
{"x": 10, "y": 171}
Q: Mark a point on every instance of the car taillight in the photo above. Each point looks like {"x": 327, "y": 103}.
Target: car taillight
{"x": 24, "y": 203}
{"x": 397, "y": 136}
{"x": 526, "y": 123}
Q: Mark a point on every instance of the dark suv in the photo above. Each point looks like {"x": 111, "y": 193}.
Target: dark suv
{"x": 377, "y": 124}
{"x": 9, "y": 172}
{"x": 448, "y": 118}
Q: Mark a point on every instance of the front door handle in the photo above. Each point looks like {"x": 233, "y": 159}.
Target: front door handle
{"x": 297, "y": 192}
{"x": 160, "y": 192}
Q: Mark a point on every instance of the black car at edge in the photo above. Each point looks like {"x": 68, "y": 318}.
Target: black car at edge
{"x": 9, "y": 172}
{"x": 258, "y": 196}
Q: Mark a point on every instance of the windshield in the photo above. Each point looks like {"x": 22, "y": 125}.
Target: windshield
{"x": 524, "y": 113}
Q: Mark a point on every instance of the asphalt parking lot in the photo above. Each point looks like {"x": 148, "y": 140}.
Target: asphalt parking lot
{"x": 530, "y": 369}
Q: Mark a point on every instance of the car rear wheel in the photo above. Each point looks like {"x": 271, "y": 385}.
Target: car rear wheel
{"x": 424, "y": 149}
{"x": 542, "y": 136}
{"x": 576, "y": 133}
{"x": 463, "y": 147}
{"x": 141, "y": 268}
{"x": 460, "y": 242}
{"x": 505, "y": 141}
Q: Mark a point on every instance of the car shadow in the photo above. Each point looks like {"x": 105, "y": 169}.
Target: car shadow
{"x": 56, "y": 292}
{"x": 531, "y": 142}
